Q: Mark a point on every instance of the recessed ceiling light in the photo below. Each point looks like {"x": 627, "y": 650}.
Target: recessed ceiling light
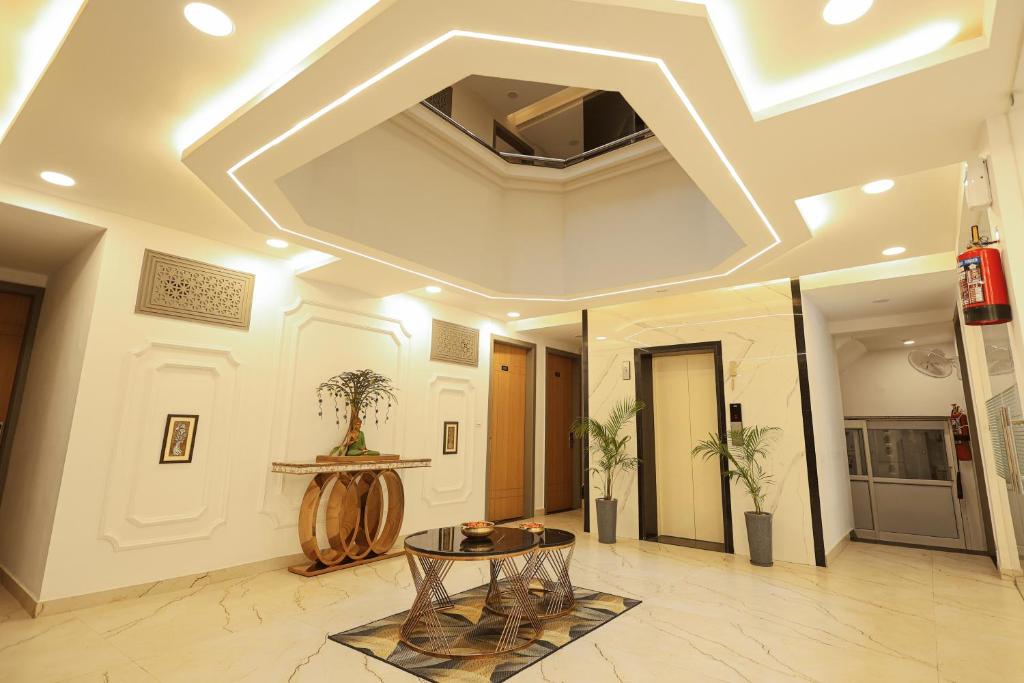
{"x": 908, "y": 342}
{"x": 601, "y": 338}
{"x": 55, "y": 178}
{"x": 276, "y": 243}
{"x": 433, "y": 289}
{"x": 893, "y": 251}
{"x": 838, "y": 12}
{"x": 209, "y": 19}
{"x": 513, "y": 314}
{"x": 512, "y": 94}
{"x": 878, "y": 186}
{"x": 881, "y": 301}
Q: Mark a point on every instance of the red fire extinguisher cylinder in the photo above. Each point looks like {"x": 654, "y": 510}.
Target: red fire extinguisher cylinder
{"x": 983, "y": 286}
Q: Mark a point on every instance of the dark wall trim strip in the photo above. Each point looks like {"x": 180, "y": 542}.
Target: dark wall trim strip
{"x": 647, "y": 485}
{"x": 805, "y": 405}
{"x": 585, "y": 397}
{"x": 986, "y": 515}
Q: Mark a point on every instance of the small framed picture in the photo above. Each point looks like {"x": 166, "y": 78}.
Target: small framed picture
{"x": 451, "y": 438}
{"x": 179, "y": 438}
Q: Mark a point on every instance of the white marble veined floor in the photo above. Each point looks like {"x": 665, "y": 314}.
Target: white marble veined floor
{"x": 878, "y": 614}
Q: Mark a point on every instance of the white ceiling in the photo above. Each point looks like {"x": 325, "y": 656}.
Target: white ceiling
{"x": 923, "y": 336}
{"x": 494, "y": 91}
{"x": 133, "y": 83}
{"x": 888, "y": 297}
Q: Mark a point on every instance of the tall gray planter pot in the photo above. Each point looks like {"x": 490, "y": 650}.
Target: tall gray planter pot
{"x": 607, "y": 510}
{"x": 759, "y": 536}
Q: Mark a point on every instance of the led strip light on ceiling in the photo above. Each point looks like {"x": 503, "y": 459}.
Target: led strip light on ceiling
{"x": 440, "y": 40}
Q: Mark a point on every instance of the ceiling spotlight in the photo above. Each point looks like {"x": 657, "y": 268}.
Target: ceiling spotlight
{"x": 878, "y": 186}
{"x": 838, "y": 12}
{"x": 276, "y": 243}
{"x": 513, "y": 314}
{"x": 512, "y": 94}
{"x": 908, "y": 342}
{"x": 893, "y": 251}
{"x": 601, "y": 338}
{"x": 209, "y": 19}
{"x": 55, "y": 178}
{"x": 433, "y": 289}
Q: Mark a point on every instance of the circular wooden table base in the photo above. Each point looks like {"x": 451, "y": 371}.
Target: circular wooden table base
{"x": 359, "y": 527}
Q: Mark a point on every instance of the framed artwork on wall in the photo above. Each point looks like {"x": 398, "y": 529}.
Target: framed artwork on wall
{"x": 179, "y": 438}
{"x": 450, "y": 441}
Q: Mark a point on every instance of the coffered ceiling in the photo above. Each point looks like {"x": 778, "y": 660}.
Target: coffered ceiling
{"x": 150, "y": 115}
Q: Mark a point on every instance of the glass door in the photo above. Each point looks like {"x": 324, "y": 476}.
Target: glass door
{"x": 903, "y": 481}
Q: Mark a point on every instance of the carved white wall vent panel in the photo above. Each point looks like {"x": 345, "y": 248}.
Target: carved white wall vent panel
{"x": 182, "y": 288}
{"x": 454, "y": 343}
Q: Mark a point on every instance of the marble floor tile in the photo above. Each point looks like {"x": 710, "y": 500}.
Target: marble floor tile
{"x": 879, "y": 613}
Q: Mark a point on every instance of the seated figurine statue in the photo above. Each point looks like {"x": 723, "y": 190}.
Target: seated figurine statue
{"x": 354, "y": 442}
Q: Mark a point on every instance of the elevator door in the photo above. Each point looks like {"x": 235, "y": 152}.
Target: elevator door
{"x": 689, "y": 490}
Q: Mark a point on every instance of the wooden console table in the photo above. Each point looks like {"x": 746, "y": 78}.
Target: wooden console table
{"x": 359, "y": 527}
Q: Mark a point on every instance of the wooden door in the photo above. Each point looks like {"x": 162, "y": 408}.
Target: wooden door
{"x": 14, "y": 310}
{"x": 506, "y": 474}
{"x": 558, "y": 446}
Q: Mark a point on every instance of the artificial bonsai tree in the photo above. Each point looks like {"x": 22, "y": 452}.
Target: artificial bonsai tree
{"x": 745, "y": 449}
{"x": 359, "y": 390}
{"x": 612, "y": 457}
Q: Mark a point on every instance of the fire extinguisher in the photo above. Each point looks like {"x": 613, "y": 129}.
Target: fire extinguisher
{"x": 961, "y": 433}
{"x": 982, "y": 283}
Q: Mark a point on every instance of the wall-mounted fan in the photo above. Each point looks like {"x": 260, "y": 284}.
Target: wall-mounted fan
{"x": 932, "y": 362}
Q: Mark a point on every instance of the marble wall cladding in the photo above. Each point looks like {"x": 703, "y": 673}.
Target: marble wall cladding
{"x": 755, "y": 327}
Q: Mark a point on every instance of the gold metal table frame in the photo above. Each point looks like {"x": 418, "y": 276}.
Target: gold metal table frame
{"x": 423, "y": 630}
{"x": 551, "y": 584}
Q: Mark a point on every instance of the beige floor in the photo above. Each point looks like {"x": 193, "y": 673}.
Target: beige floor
{"x": 879, "y": 614}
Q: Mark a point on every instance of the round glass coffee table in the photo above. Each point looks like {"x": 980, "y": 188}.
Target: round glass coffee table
{"x": 432, "y": 625}
{"x": 552, "y": 586}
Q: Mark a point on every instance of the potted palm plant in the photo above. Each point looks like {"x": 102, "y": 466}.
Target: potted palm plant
{"x": 612, "y": 458}
{"x": 745, "y": 449}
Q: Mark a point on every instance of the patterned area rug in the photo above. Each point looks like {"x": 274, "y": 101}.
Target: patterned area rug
{"x": 379, "y": 639}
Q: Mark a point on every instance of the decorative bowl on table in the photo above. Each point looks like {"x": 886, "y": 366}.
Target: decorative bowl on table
{"x": 477, "y": 529}
{"x": 532, "y": 527}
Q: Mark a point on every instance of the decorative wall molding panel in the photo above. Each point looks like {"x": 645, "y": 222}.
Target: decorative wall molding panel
{"x": 177, "y": 287}
{"x": 453, "y": 343}
{"x": 146, "y": 504}
{"x": 449, "y": 480}
{"x": 319, "y": 340}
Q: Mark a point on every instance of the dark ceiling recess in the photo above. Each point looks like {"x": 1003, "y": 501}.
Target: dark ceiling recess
{"x": 553, "y": 120}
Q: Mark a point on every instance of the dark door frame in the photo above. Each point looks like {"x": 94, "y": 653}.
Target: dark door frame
{"x": 21, "y": 374}
{"x": 530, "y": 426}
{"x": 577, "y": 406}
{"x": 647, "y": 485}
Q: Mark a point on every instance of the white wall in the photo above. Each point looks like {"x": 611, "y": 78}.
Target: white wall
{"x": 658, "y": 209}
{"x": 122, "y": 519}
{"x": 755, "y": 326}
{"x": 883, "y": 383}
{"x": 829, "y": 433}
{"x": 43, "y": 431}
{"x": 527, "y": 241}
